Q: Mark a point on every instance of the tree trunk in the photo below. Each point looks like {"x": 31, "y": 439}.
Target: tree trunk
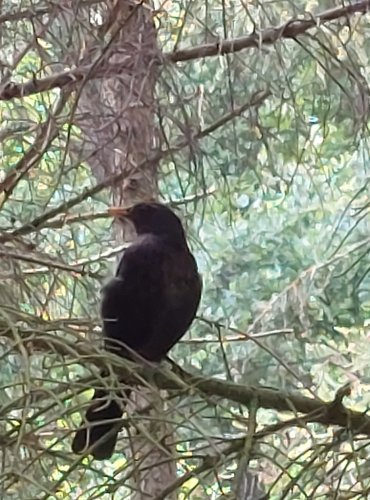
{"x": 116, "y": 117}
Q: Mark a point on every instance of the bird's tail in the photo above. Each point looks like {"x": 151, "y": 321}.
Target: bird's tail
{"x": 99, "y": 433}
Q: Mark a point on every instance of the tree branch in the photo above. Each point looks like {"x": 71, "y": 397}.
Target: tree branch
{"x": 311, "y": 410}
{"x": 41, "y": 221}
{"x": 31, "y": 13}
{"x": 46, "y": 134}
{"x": 290, "y": 29}
{"x": 64, "y": 219}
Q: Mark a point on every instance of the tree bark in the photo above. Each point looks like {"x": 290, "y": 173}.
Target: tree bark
{"x": 116, "y": 117}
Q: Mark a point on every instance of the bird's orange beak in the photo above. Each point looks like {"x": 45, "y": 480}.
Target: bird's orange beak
{"x": 118, "y": 212}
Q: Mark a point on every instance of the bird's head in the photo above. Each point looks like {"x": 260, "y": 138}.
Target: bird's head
{"x": 151, "y": 218}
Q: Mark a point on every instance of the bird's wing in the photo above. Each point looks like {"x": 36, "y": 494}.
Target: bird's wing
{"x": 182, "y": 289}
{"x": 133, "y": 300}
{"x": 152, "y": 301}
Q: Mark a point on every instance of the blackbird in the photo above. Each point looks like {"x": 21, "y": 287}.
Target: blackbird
{"x": 146, "y": 308}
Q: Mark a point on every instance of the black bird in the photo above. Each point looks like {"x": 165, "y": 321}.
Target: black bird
{"x": 146, "y": 308}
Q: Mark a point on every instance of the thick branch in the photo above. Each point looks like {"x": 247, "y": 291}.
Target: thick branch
{"x": 58, "y": 80}
{"x": 311, "y": 410}
{"x": 290, "y": 29}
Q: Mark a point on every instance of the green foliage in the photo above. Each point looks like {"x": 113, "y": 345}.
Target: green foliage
{"x": 276, "y": 204}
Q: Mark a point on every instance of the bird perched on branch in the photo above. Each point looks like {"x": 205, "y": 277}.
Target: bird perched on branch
{"x": 146, "y": 308}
